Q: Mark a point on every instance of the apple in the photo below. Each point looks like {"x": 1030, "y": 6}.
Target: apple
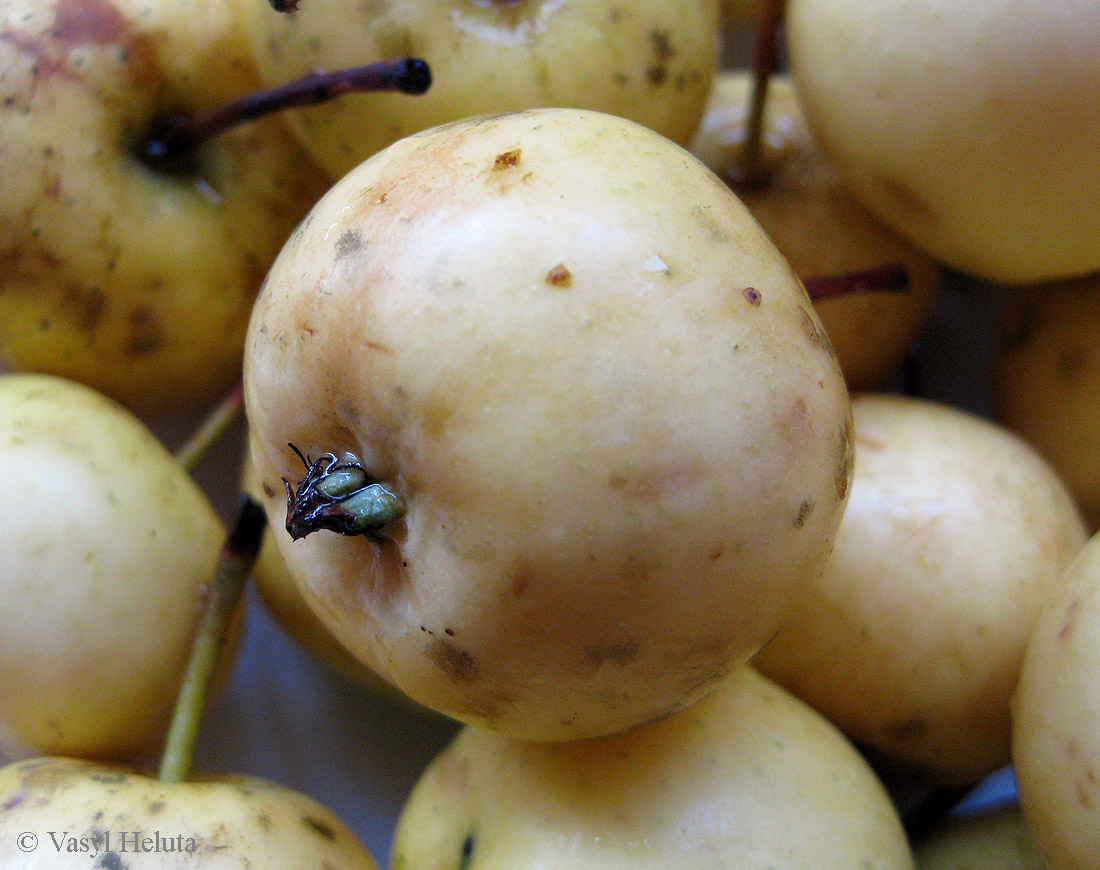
{"x": 1046, "y": 380}
{"x": 995, "y": 838}
{"x": 136, "y": 281}
{"x": 109, "y": 546}
{"x": 615, "y": 432}
{"x": 955, "y": 535}
{"x": 748, "y": 777}
{"x": 819, "y": 226}
{"x": 62, "y": 813}
{"x": 648, "y": 60}
{"x": 972, "y": 128}
{"x": 1056, "y": 721}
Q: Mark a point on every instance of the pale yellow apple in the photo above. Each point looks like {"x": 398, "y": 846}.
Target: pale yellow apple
{"x": 108, "y": 546}
{"x": 1056, "y": 725}
{"x": 137, "y": 282}
{"x": 955, "y": 536}
{"x": 619, "y": 432}
{"x": 65, "y": 814}
{"x": 648, "y": 60}
{"x": 748, "y": 778}
{"x": 820, "y": 227}
{"x": 973, "y": 127}
{"x": 1046, "y": 380}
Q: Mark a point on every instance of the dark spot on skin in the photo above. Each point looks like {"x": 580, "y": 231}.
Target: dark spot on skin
{"x": 522, "y": 574}
{"x": 904, "y": 199}
{"x": 559, "y": 276}
{"x": 506, "y": 160}
{"x": 804, "y": 511}
{"x": 753, "y": 296}
{"x": 908, "y": 729}
{"x": 264, "y": 821}
{"x": 155, "y": 807}
{"x": 12, "y": 802}
{"x": 89, "y": 22}
{"x": 662, "y": 45}
{"x": 349, "y": 242}
{"x": 109, "y": 778}
{"x": 145, "y": 335}
{"x": 656, "y": 74}
{"x": 450, "y": 632}
{"x": 111, "y": 861}
{"x": 86, "y": 305}
{"x": 269, "y": 491}
{"x": 621, "y": 654}
{"x": 319, "y": 827}
{"x": 454, "y": 661}
{"x": 466, "y": 852}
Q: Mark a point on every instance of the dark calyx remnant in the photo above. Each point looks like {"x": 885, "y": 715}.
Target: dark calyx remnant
{"x": 341, "y": 497}
{"x": 174, "y": 136}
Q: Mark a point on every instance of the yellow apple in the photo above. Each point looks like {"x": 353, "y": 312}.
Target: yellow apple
{"x": 137, "y": 282}
{"x": 618, "y": 432}
{"x": 973, "y": 128}
{"x": 648, "y": 60}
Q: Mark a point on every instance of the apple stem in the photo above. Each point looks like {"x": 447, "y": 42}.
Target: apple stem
{"x": 173, "y": 137}
{"x": 750, "y": 169}
{"x": 222, "y": 598}
{"x": 891, "y": 278}
{"x": 212, "y": 428}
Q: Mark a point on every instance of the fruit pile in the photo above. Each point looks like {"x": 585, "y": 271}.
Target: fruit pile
{"x": 595, "y": 412}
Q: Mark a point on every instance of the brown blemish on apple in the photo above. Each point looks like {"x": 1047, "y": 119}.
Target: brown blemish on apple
{"x": 321, "y": 828}
{"x": 507, "y": 160}
{"x": 350, "y": 242}
{"x": 522, "y": 574}
{"x": 1069, "y": 620}
{"x": 145, "y": 335}
{"x": 803, "y": 514}
{"x": 752, "y": 296}
{"x": 269, "y": 490}
{"x": 13, "y": 801}
{"x": 559, "y": 276}
{"x": 904, "y": 199}
{"x": 844, "y": 461}
{"x": 868, "y": 442}
{"x": 817, "y": 336}
{"x": 455, "y": 662}
{"x": 654, "y": 483}
{"x": 621, "y": 654}
{"x": 85, "y": 305}
{"x": 657, "y": 72}
{"x": 111, "y": 861}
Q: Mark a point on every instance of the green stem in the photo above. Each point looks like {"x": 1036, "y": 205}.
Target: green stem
{"x": 212, "y": 428}
{"x": 750, "y": 169}
{"x": 222, "y": 598}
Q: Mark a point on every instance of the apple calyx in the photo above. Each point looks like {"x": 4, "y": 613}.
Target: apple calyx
{"x": 338, "y": 496}
{"x": 173, "y": 136}
{"x": 889, "y": 278}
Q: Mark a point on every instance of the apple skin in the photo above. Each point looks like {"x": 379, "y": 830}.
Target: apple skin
{"x": 217, "y": 823}
{"x": 109, "y": 546}
{"x": 750, "y": 777}
{"x": 955, "y": 535}
{"x": 1056, "y": 721}
{"x": 820, "y": 227}
{"x": 1046, "y": 380}
{"x": 136, "y": 282}
{"x": 620, "y": 435}
{"x": 972, "y": 128}
{"x": 992, "y": 839}
{"x": 648, "y": 60}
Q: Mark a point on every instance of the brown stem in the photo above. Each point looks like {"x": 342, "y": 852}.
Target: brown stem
{"x": 222, "y": 597}
{"x": 212, "y": 428}
{"x": 891, "y": 278}
{"x": 173, "y": 137}
{"x": 750, "y": 169}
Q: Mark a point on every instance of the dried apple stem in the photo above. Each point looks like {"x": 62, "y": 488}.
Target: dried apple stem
{"x": 212, "y": 428}
{"x": 222, "y": 598}
{"x": 174, "y": 137}
{"x": 891, "y": 278}
{"x": 750, "y": 169}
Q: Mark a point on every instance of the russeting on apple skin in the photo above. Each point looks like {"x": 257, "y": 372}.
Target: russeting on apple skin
{"x": 137, "y": 282}
{"x": 620, "y": 436}
{"x": 972, "y": 128}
